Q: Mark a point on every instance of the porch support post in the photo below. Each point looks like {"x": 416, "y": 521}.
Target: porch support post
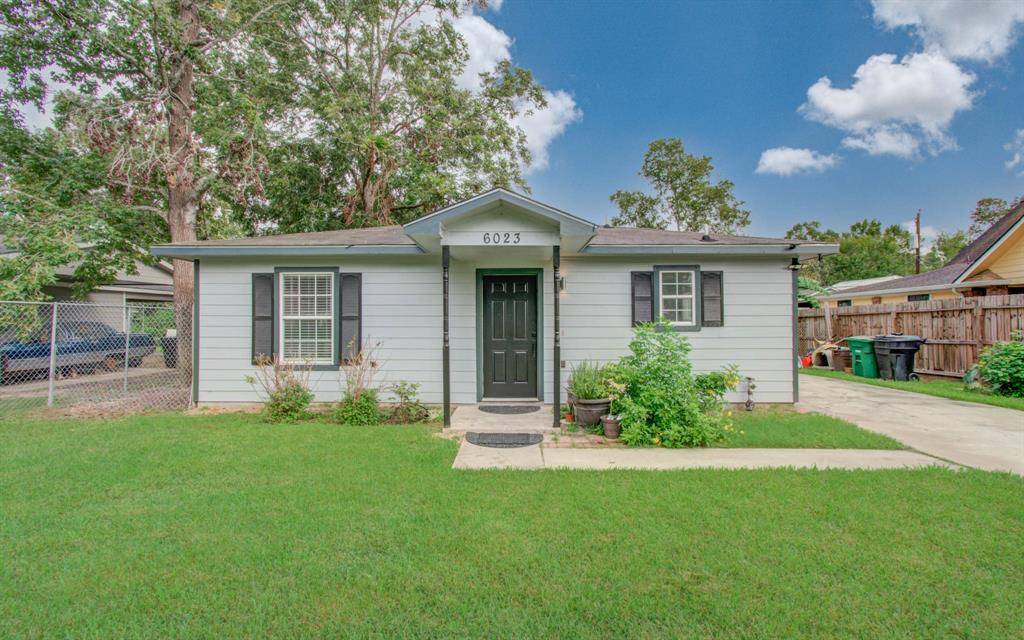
{"x": 445, "y": 374}
{"x": 556, "y": 365}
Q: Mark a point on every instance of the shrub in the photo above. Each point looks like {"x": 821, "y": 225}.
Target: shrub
{"x": 1001, "y": 366}
{"x": 589, "y": 381}
{"x": 361, "y": 410}
{"x": 659, "y": 399}
{"x": 409, "y": 409}
{"x": 285, "y": 389}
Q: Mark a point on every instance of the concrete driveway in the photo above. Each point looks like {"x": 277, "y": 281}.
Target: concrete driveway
{"x": 975, "y": 435}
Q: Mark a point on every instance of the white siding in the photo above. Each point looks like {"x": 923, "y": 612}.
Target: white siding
{"x": 402, "y": 311}
{"x": 757, "y": 334}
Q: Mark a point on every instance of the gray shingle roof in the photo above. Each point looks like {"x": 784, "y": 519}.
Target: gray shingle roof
{"x": 632, "y": 236}
{"x": 390, "y": 235}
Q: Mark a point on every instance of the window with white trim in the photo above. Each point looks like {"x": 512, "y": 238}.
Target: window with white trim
{"x": 307, "y": 317}
{"x": 677, "y": 297}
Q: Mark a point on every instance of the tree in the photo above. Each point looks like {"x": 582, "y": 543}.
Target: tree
{"x": 134, "y": 68}
{"x": 866, "y": 250}
{"x": 380, "y": 130}
{"x": 684, "y": 194}
{"x": 987, "y": 211}
{"x": 944, "y": 249}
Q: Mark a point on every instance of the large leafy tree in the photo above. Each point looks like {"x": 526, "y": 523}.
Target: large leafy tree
{"x": 987, "y": 211}
{"x": 684, "y": 194}
{"x": 866, "y": 250}
{"x": 944, "y": 249}
{"x": 380, "y": 130}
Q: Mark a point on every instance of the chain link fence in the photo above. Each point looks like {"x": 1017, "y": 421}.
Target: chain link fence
{"x": 93, "y": 359}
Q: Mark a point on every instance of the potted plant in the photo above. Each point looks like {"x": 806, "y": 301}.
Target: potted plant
{"x": 589, "y": 393}
{"x": 612, "y": 422}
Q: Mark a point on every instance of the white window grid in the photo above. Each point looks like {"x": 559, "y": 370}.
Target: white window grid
{"x": 307, "y": 317}
{"x": 677, "y": 297}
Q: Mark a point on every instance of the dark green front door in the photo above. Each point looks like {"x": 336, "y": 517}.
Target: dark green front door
{"x": 510, "y": 336}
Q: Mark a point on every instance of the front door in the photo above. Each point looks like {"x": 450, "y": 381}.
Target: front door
{"x": 510, "y": 336}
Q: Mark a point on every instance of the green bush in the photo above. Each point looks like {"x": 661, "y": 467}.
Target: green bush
{"x": 659, "y": 399}
{"x": 288, "y": 403}
{"x": 589, "y": 381}
{"x": 1001, "y": 366}
{"x": 360, "y": 410}
{"x": 408, "y": 409}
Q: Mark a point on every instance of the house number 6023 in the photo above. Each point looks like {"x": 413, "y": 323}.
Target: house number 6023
{"x": 499, "y": 237}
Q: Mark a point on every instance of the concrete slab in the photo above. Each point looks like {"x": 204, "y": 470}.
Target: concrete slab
{"x": 735, "y": 459}
{"x": 471, "y": 456}
{"x": 967, "y": 433}
{"x": 468, "y": 417}
{"x": 534, "y": 457}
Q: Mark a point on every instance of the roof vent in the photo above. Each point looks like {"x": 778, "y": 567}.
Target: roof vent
{"x": 707, "y": 238}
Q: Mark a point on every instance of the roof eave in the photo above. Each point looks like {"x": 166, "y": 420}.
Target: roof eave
{"x": 191, "y": 252}
{"x": 966, "y": 273}
{"x": 713, "y": 249}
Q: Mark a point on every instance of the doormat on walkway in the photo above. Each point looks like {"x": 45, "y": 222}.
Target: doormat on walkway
{"x": 508, "y": 409}
{"x": 503, "y": 440}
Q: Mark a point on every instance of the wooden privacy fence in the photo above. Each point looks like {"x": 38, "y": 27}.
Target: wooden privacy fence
{"x": 957, "y": 330}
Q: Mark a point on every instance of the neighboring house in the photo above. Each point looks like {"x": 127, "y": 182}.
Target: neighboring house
{"x": 149, "y": 284}
{"x": 991, "y": 265}
{"x": 496, "y": 297}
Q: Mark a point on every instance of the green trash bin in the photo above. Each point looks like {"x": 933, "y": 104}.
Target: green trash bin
{"x": 862, "y": 350}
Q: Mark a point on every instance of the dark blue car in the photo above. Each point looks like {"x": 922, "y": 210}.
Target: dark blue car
{"x": 82, "y": 346}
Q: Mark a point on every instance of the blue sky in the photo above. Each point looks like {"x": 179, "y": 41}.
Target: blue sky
{"x": 729, "y": 78}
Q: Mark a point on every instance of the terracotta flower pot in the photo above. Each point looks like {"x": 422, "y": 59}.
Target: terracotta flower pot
{"x": 612, "y": 426}
{"x": 589, "y": 412}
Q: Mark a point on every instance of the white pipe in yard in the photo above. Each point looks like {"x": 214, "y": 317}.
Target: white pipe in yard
{"x": 127, "y": 342}
{"x": 53, "y": 354}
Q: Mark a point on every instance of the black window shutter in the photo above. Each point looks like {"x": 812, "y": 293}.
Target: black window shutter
{"x": 350, "y": 323}
{"x": 643, "y": 310}
{"x": 262, "y": 316}
{"x": 712, "y": 309}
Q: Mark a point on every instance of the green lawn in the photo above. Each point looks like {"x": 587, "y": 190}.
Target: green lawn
{"x": 782, "y": 427}
{"x": 223, "y": 527}
{"x": 951, "y": 389}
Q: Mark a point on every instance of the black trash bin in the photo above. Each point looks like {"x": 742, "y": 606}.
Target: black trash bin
{"x": 900, "y": 354}
{"x": 882, "y": 352}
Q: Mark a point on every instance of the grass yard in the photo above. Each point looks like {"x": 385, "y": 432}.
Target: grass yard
{"x": 781, "y": 427}
{"x": 223, "y": 527}
{"x": 950, "y": 389}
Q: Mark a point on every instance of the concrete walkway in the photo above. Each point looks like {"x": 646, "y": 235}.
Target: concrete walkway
{"x": 970, "y": 434}
{"x": 534, "y": 457}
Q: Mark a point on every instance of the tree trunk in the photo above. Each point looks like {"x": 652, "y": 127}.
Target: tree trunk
{"x": 182, "y": 199}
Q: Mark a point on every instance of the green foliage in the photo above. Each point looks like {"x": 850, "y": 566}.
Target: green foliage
{"x": 408, "y": 409}
{"x": 987, "y": 211}
{"x": 684, "y": 195}
{"x": 1002, "y": 367}
{"x": 388, "y": 131}
{"x": 659, "y": 399}
{"x": 808, "y": 290}
{"x": 290, "y": 403}
{"x": 361, "y": 410}
{"x": 944, "y": 249}
{"x": 589, "y": 381}
{"x": 866, "y": 250}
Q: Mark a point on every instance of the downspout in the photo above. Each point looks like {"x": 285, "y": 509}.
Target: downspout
{"x": 794, "y": 268}
{"x": 556, "y": 368}
{"x": 445, "y": 374}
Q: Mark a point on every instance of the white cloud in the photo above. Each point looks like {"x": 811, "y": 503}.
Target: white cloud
{"x": 975, "y": 30}
{"x": 895, "y": 106}
{"x": 541, "y": 126}
{"x": 787, "y": 161}
{"x": 928, "y": 235}
{"x": 1016, "y": 149}
{"x": 487, "y": 46}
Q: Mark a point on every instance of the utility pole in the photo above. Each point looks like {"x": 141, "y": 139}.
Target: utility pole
{"x": 917, "y": 242}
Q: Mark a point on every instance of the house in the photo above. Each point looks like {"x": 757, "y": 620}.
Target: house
{"x": 148, "y": 284}
{"x": 993, "y": 264}
{"x": 495, "y": 297}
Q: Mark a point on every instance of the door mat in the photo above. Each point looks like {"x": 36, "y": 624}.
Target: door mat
{"x": 508, "y": 409}
{"x": 503, "y": 440}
